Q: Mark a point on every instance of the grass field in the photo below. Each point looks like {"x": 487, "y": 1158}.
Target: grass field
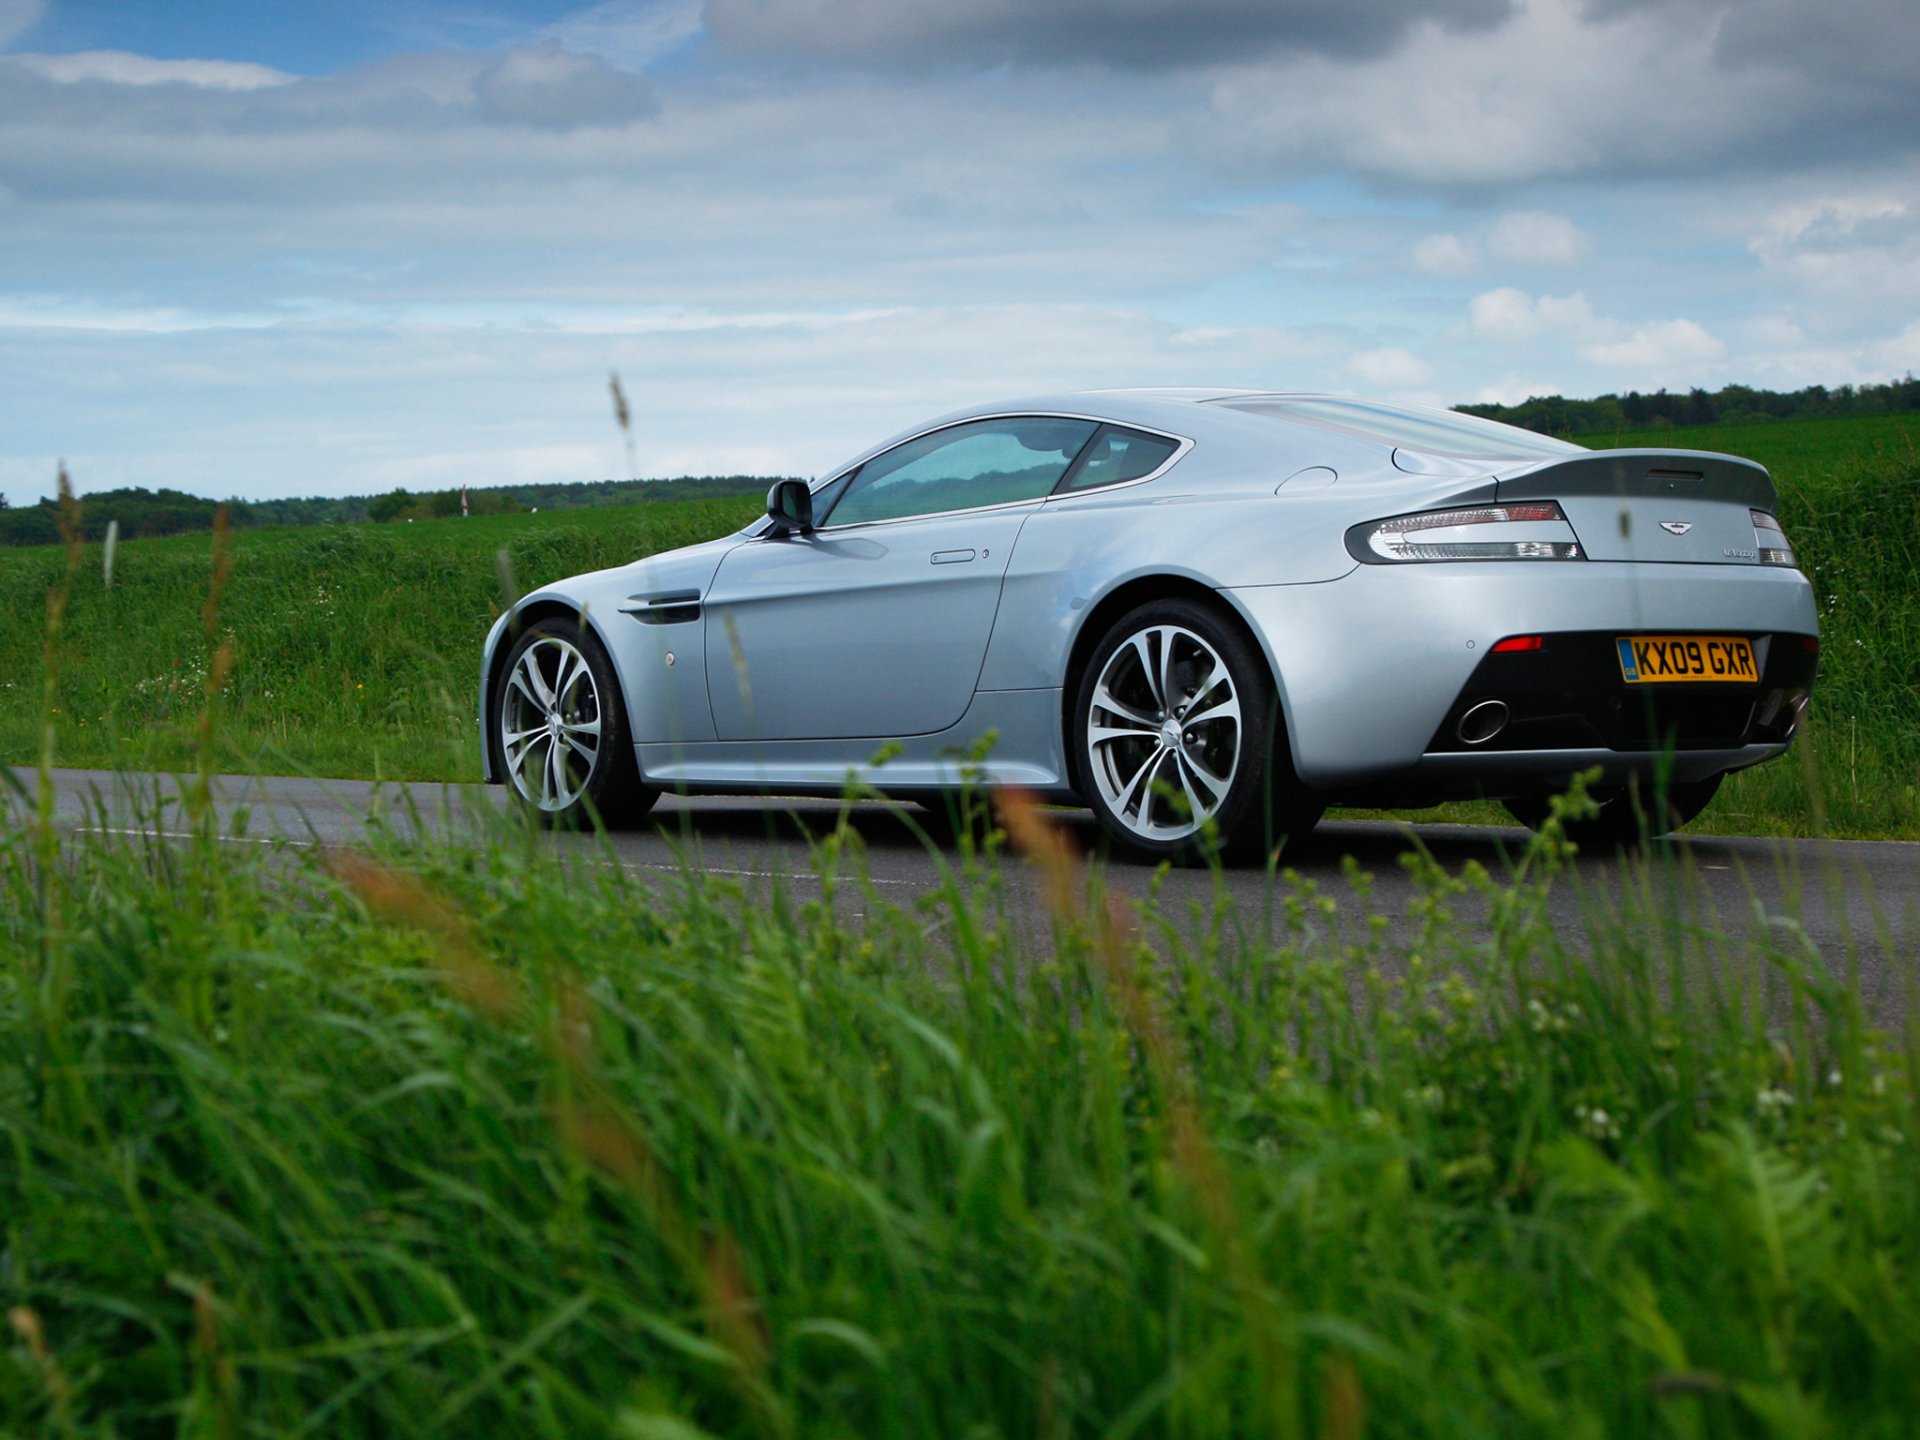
{"x": 354, "y": 647}
{"x": 465, "y": 1140}
{"x": 1791, "y": 449}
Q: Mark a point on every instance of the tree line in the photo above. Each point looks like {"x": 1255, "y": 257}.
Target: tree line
{"x": 1731, "y": 405}
{"x": 141, "y": 512}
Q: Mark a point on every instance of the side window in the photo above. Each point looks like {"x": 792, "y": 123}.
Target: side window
{"x": 1117, "y": 455}
{"x": 983, "y": 462}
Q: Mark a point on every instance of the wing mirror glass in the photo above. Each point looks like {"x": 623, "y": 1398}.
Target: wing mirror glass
{"x": 790, "y": 506}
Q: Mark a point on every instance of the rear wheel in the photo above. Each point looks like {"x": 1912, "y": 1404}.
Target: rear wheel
{"x": 1176, "y": 730}
{"x": 1628, "y": 813}
{"x": 560, "y": 731}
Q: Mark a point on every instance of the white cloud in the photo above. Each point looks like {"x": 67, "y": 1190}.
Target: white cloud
{"x": 1659, "y": 349}
{"x": 1663, "y": 346}
{"x": 1445, "y": 254}
{"x": 120, "y": 67}
{"x": 1551, "y": 93}
{"x": 1518, "y": 237}
{"x": 1851, "y": 259}
{"x": 546, "y": 87}
{"x": 1898, "y": 355}
{"x": 1391, "y": 368}
{"x": 58, "y": 312}
{"x": 1509, "y": 314}
{"x": 631, "y": 33}
{"x": 1532, "y": 237}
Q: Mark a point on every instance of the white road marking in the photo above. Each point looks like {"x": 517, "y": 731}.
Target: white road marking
{"x": 655, "y": 865}
{"x": 189, "y": 835}
{"x": 667, "y": 869}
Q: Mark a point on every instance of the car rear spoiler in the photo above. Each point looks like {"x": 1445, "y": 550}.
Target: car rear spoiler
{"x": 1675, "y": 474}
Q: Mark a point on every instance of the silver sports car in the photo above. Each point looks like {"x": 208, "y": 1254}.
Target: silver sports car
{"x": 1206, "y": 614}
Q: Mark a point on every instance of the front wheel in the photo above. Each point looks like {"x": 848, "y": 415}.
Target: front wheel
{"x": 1176, "y": 731}
{"x": 1628, "y": 814}
{"x": 561, "y": 734}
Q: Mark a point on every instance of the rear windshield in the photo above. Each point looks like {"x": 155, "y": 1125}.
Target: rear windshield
{"x": 1431, "y": 432}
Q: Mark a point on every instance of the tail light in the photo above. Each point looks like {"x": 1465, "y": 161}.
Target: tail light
{"x": 1770, "y": 540}
{"x": 1533, "y": 530}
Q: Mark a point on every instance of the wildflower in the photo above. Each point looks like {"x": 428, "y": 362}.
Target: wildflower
{"x": 1595, "y": 1123}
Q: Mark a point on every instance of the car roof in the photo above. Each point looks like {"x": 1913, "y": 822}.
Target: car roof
{"x": 1167, "y": 406}
{"x": 1240, "y": 426}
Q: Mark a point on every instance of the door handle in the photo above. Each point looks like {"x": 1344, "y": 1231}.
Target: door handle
{"x": 952, "y": 557}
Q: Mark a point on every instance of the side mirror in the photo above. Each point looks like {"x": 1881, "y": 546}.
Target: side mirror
{"x": 790, "y": 505}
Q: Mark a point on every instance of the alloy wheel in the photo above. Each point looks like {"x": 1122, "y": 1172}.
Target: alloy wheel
{"x": 1164, "y": 733}
{"x": 550, "y": 724}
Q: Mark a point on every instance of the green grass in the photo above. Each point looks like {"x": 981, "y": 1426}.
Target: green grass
{"x": 474, "y": 1140}
{"x": 355, "y": 646}
{"x": 1854, "y": 520}
{"x": 1792, "y": 448}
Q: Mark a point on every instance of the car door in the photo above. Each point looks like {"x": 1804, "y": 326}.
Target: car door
{"x": 876, "y": 622}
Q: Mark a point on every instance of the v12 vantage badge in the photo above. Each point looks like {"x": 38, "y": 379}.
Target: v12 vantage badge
{"x": 1204, "y": 614}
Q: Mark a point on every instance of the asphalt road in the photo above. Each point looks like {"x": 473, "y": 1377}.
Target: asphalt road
{"x": 1856, "y": 902}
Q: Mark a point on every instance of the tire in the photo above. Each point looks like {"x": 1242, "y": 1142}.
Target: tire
{"x": 561, "y": 731}
{"x": 1177, "y": 740}
{"x": 1629, "y": 814}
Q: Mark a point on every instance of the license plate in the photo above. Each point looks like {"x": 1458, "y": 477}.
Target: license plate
{"x": 1655, "y": 659}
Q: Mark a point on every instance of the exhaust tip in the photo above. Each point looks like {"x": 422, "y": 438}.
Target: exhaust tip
{"x": 1481, "y": 723}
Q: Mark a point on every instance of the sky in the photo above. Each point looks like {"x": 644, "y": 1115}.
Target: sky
{"x": 328, "y": 247}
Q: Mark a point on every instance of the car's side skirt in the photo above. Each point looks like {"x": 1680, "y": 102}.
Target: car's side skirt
{"x": 1026, "y": 750}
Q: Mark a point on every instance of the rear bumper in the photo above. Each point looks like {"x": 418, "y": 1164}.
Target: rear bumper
{"x": 1570, "y": 695}
{"x": 1436, "y": 778}
{"x": 1373, "y": 665}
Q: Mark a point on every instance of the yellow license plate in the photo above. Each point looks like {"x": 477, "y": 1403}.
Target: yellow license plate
{"x": 1654, "y": 659}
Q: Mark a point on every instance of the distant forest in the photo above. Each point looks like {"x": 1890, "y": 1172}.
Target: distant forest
{"x": 142, "y": 512}
{"x": 1734, "y": 405}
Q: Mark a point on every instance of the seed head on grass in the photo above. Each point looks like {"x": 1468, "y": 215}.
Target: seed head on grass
{"x": 509, "y": 587}
{"x": 221, "y": 574}
{"x": 487, "y": 987}
{"x": 624, "y": 418}
{"x": 215, "y": 1378}
{"x": 587, "y": 1120}
{"x": 1343, "y": 1404}
{"x": 26, "y": 1324}
{"x": 1192, "y": 1151}
{"x": 46, "y": 836}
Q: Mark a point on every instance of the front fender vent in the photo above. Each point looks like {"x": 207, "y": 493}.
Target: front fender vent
{"x": 667, "y": 607}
